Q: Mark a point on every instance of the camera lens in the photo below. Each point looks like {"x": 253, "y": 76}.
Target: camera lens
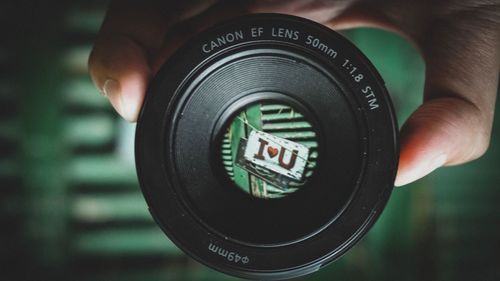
{"x": 266, "y": 146}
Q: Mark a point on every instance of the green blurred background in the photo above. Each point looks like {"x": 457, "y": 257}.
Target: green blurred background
{"x": 71, "y": 207}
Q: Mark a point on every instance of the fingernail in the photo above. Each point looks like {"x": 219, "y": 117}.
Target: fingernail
{"x": 110, "y": 87}
{"x": 422, "y": 169}
{"x": 111, "y": 90}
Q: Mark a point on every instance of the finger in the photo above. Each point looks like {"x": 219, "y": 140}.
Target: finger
{"x": 443, "y": 131}
{"x": 118, "y": 63}
{"x": 129, "y": 40}
{"x": 460, "y": 42}
{"x": 120, "y": 71}
{"x": 453, "y": 125}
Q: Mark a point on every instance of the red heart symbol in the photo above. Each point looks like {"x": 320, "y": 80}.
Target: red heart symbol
{"x": 272, "y": 151}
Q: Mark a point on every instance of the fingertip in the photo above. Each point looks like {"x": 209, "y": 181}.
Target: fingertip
{"x": 424, "y": 145}
{"x": 119, "y": 69}
{"x": 132, "y": 96}
{"x": 111, "y": 89}
{"x": 126, "y": 99}
{"x": 443, "y": 131}
{"x": 418, "y": 168}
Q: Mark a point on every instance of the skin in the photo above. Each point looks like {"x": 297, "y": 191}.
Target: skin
{"x": 458, "y": 39}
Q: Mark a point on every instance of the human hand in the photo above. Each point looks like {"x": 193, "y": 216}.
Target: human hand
{"x": 459, "y": 41}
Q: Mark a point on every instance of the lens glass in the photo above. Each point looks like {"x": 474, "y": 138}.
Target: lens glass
{"x": 269, "y": 150}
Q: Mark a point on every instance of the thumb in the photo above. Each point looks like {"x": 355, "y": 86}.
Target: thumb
{"x": 453, "y": 125}
{"x": 130, "y": 46}
{"x": 443, "y": 131}
{"x": 120, "y": 71}
{"x": 131, "y": 33}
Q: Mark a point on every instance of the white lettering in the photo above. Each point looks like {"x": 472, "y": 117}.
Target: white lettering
{"x": 256, "y": 31}
{"x": 285, "y": 33}
{"x": 221, "y": 41}
{"x": 370, "y": 96}
{"x": 316, "y": 43}
{"x": 230, "y": 256}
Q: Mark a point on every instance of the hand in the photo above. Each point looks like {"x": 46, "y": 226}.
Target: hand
{"x": 459, "y": 41}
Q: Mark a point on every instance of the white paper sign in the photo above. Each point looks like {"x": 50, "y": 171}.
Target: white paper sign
{"x": 277, "y": 154}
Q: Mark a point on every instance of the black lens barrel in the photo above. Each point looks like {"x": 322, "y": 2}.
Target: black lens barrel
{"x": 266, "y": 58}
